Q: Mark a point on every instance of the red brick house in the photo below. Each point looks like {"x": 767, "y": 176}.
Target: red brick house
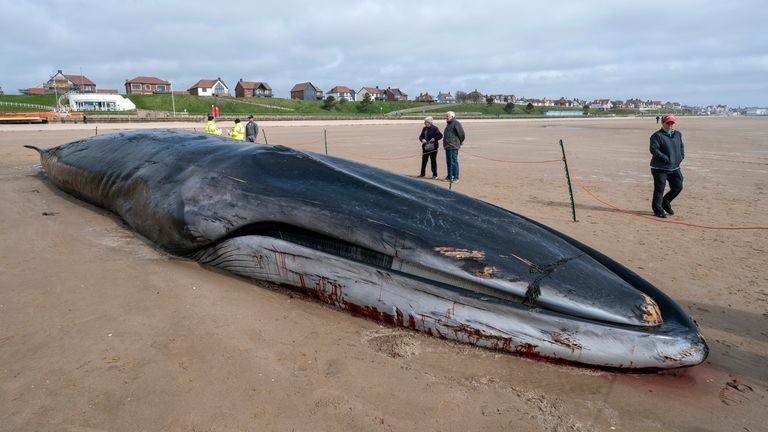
{"x": 252, "y": 89}
{"x": 146, "y": 85}
{"x": 426, "y": 97}
{"x": 395, "y": 95}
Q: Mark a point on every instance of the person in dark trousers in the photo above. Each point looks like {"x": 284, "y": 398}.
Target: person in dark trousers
{"x": 657, "y": 119}
{"x": 667, "y": 152}
{"x": 251, "y": 130}
{"x": 453, "y": 137}
{"x": 430, "y": 144}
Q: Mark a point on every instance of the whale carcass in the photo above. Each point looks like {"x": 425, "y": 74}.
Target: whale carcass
{"x": 381, "y": 245}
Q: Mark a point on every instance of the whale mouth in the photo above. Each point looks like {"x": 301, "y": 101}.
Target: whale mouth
{"x": 440, "y": 268}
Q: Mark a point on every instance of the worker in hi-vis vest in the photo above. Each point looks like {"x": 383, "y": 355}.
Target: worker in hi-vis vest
{"x": 211, "y": 128}
{"x": 238, "y": 132}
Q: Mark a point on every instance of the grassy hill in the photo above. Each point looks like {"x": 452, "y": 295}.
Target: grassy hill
{"x": 230, "y": 106}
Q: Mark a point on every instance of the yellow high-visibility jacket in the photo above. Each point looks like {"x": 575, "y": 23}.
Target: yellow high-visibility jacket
{"x": 211, "y": 128}
{"x": 238, "y": 132}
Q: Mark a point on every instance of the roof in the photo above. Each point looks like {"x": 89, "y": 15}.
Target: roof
{"x": 373, "y": 90}
{"x": 204, "y": 83}
{"x": 341, "y": 89}
{"x": 147, "y": 80}
{"x": 79, "y": 79}
{"x": 302, "y": 86}
{"x": 254, "y": 84}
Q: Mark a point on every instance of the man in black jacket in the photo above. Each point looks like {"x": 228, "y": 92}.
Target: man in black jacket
{"x": 667, "y": 152}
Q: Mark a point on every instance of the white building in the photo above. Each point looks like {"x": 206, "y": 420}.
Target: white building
{"x": 99, "y": 102}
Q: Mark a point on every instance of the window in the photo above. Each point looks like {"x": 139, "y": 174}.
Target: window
{"x": 148, "y": 87}
{"x": 218, "y": 88}
{"x": 135, "y": 86}
{"x": 161, "y": 88}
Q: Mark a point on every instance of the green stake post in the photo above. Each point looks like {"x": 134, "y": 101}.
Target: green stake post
{"x": 568, "y": 177}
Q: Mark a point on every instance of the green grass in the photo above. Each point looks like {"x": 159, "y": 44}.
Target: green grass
{"x": 230, "y": 106}
{"x": 47, "y": 100}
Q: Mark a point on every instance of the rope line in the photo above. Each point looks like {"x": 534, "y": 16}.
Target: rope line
{"x": 656, "y": 219}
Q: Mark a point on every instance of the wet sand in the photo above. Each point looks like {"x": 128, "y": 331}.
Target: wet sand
{"x": 101, "y": 331}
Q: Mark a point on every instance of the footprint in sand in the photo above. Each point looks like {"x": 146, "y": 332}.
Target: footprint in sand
{"x": 735, "y": 393}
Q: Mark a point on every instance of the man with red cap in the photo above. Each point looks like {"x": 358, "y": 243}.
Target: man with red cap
{"x": 667, "y": 151}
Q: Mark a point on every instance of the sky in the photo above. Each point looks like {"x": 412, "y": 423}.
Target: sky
{"x": 691, "y": 52}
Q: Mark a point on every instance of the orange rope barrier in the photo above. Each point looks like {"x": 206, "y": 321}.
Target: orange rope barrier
{"x": 513, "y": 161}
{"x": 656, "y": 219}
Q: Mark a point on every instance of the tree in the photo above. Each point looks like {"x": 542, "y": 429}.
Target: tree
{"x": 461, "y": 96}
{"x": 489, "y": 100}
{"x": 329, "y": 103}
{"x": 366, "y": 103}
{"x": 509, "y": 107}
{"x": 585, "y": 109}
{"x": 529, "y": 108}
{"x": 342, "y": 103}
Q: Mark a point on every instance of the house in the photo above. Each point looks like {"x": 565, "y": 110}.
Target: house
{"x": 503, "y": 98}
{"x": 394, "y": 95}
{"x": 209, "y": 88}
{"x": 252, "y": 89}
{"x": 60, "y": 83}
{"x": 341, "y": 93}
{"x": 475, "y": 97}
{"x": 306, "y": 91}
{"x": 376, "y": 93}
{"x": 564, "y": 103}
{"x": 424, "y": 97}
{"x": 604, "y": 104}
{"x": 445, "y": 98}
{"x": 147, "y": 85}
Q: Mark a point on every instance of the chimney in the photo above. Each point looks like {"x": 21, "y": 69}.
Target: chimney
{"x": 241, "y": 80}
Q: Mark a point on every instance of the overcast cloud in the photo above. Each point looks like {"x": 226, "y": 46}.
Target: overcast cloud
{"x": 692, "y": 52}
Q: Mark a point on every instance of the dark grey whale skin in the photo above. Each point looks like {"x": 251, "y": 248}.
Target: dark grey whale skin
{"x": 186, "y": 192}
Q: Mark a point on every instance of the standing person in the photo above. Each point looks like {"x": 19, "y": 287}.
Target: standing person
{"x": 211, "y": 128}
{"x": 238, "y": 131}
{"x": 453, "y": 137}
{"x": 251, "y": 130}
{"x": 430, "y": 144}
{"x": 657, "y": 119}
{"x": 667, "y": 152}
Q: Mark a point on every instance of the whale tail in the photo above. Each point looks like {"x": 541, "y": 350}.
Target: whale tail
{"x": 39, "y": 150}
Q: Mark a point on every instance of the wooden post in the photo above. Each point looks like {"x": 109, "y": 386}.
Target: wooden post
{"x": 325, "y": 138}
{"x": 263, "y": 132}
{"x": 568, "y": 178}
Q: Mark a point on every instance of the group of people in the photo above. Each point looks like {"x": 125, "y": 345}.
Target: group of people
{"x": 667, "y": 152}
{"x": 249, "y": 132}
{"x": 452, "y": 136}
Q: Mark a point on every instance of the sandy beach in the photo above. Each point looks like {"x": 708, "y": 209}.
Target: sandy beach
{"x": 101, "y": 331}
